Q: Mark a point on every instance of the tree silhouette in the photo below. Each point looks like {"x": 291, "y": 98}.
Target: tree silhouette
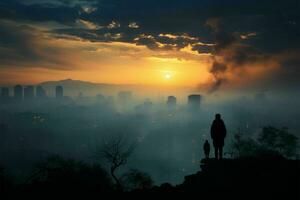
{"x": 115, "y": 151}
{"x": 270, "y": 141}
{"x": 244, "y": 147}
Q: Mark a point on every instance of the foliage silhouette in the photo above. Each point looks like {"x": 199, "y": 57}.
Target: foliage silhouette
{"x": 115, "y": 151}
{"x": 279, "y": 140}
{"x": 137, "y": 180}
{"x": 5, "y": 182}
{"x": 67, "y": 175}
{"x": 271, "y": 141}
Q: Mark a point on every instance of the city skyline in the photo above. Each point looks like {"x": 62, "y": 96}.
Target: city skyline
{"x": 29, "y": 92}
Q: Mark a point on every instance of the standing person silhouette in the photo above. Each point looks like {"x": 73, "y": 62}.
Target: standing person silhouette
{"x": 206, "y": 148}
{"x": 218, "y": 134}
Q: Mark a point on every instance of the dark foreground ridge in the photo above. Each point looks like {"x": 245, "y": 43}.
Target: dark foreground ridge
{"x": 237, "y": 178}
{"x": 243, "y": 178}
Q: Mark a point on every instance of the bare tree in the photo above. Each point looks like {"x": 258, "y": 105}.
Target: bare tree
{"x": 115, "y": 151}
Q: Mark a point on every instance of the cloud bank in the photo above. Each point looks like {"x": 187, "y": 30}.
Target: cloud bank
{"x": 248, "y": 43}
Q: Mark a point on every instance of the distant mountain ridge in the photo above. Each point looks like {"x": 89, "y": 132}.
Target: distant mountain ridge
{"x": 74, "y": 87}
{"x": 71, "y": 82}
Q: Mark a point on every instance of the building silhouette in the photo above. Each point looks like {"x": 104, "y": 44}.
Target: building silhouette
{"x": 147, "y": 104}
{"x": 59, "y": 92}
{"x": 18, "y": 92}
{"x": 125, "y": 97}
{"x": 194, "y": 101}
{"x": 100, "y": 98}
{"x": 4, "y": 92}
{"x": 29, "y": 92}
{"x": 171, "y": 102}
{"x": 40, "y": 92}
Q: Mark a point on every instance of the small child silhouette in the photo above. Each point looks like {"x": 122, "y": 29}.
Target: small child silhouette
{"x": 206, "y": 148}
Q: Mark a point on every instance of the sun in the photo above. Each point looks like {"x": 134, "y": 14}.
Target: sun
{"x": 168, "y": 76}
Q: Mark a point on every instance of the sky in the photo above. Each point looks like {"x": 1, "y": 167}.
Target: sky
{"x": 208, "y": 44}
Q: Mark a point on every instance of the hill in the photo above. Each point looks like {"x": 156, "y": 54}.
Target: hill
{"x": 242, "y": 178}
{"x": 74, "y": 87}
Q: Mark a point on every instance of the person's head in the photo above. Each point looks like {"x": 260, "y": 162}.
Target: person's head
{"x": 206, "y": 141}
{"x": 218, "y": 116}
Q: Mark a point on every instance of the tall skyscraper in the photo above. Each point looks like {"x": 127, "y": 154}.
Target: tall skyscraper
{"x": 194, "y": 101}
{"x": 171, "y": 102}
{"x": 59, "y": 91}
{"x": 29, "y": 92}
{"x": 18, "y": 92}
{"x": 40, "y": 92}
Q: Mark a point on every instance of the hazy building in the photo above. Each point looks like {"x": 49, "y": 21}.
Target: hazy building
{"x": 29, "y": 92}
{"x": 194, "y": 101}
{"x": 171, "y": 102}
{"x": 148, "y": 104}
{"x": 40, "y": 92}
{"x": 110, "y": 100}
{"x": 100, "y": 98}
{"x": 18, "y": 92}
{"x": 59, "y": 91}
{"x": 125, "y": 96}
{"x": 145, "y": 107}
{"x": 4, "y": 92}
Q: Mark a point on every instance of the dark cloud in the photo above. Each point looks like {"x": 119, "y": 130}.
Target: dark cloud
{"x": 22, "y": 45}
{"x": 16, "y": 10}
{"x": 252, "y": 36}
{"x": 287, "y": 77}
{"x": 217, "y": 84}
{"x": 178, "y": 17}
{"x": 147, "y": 41}
{"x": 274, "y": 21}
{"x": 16, "y": 43}
{"x": 218, "y": 68}
{"x": 200, "y": 48}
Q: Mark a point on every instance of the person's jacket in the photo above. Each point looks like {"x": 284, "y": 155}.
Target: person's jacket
{"x": 218, "y": 130}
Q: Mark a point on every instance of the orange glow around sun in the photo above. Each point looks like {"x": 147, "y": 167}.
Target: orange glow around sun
{"x": 117, "y": 63}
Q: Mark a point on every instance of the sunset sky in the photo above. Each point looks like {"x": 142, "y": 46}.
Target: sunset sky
{"x": 210, "y": 44}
